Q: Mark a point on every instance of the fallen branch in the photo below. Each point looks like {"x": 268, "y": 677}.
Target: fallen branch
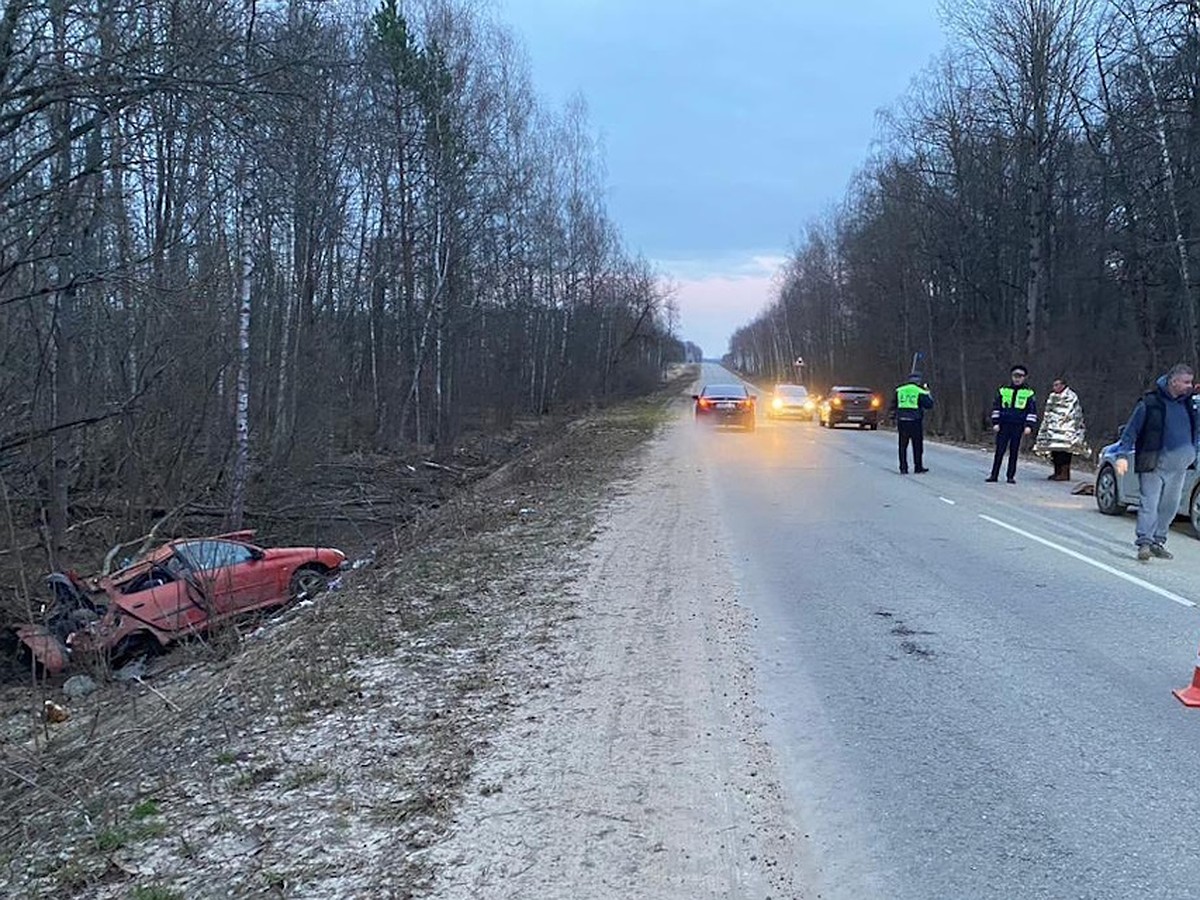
{"x": 146, "y": 540}
{"x": 36, "y": 544}
{"x": 29, "y": 436}
{"x": 33, "y": 784}
{"x": 26, "y": 549}
{"x": 165, "y": 699}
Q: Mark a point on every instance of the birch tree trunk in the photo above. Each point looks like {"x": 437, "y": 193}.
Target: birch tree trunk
{"x": 241, "y": 419}
{"x": 241, "y": 423}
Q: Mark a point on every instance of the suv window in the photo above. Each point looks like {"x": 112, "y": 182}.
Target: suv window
{"x": 792, "y": 390}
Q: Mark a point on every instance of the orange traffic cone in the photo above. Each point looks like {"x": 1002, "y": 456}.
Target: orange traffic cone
{"x": 1190, "y": 695}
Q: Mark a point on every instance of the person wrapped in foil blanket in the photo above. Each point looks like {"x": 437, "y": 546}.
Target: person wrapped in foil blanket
{"x": 1063, "y": 433}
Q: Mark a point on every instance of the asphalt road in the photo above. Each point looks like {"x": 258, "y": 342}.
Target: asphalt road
{"x": 968, "y": 685}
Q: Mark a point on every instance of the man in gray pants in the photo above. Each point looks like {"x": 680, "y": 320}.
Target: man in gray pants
{"x": 1162, "y": 433}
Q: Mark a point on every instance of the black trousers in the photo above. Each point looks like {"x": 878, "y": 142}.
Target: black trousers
{"x": 1008, "y": 438}
{"x": 1062, "y": 464}
{"x": 914, "y": 433}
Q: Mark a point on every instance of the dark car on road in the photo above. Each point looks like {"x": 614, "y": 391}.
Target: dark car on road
{"x": 725, "y": 404}
{"x": 847, "y": 405}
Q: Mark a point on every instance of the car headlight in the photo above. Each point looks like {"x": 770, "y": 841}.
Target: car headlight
{"x": 777, "y": 403}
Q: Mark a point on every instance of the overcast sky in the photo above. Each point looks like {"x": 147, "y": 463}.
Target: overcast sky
{"x": 727, "y": 126}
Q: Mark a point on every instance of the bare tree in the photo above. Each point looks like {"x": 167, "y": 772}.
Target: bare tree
{"x": 1033, "y": 51}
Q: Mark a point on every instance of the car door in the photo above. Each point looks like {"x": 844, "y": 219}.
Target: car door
{"x": 171, "y": 607}
{"x": 233, "y": 575}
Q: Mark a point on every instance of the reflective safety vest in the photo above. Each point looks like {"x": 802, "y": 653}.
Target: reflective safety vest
{"x": 1018, "y": 398}
{"x": 908, "y": 396}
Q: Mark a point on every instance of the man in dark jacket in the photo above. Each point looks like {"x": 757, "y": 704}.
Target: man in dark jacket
{"x": 909, "y": 402}
{"x": 1014, "y": 413}
{"x": 1162, "y": 433}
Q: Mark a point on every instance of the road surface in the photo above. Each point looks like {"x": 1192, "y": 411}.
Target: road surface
{"x": 969, "y": 684}
{"x": 794, "y": 672}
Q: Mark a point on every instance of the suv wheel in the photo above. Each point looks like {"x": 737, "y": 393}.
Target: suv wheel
{"x": 1194, "y": 510}
{"x": 1106, "y": 493}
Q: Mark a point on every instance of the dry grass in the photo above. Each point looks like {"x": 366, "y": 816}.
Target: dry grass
{"x": 273, "y": 761}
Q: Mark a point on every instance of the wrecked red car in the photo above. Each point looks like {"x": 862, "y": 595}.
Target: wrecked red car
{"x": 183, "y": 588}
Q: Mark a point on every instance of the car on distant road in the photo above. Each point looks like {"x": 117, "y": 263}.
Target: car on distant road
{"x": 791, "y": 401}
{"x": 725, "y": 404}
{"x": 1115, "y": 494}
{"x": 185, "y": 587}
{"x": 850, "y": 405}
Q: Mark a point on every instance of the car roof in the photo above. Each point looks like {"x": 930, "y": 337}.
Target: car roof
{"x": 849, "y": 388}
{"x": 724, "y": 389}
{"x": 791, "y": 387}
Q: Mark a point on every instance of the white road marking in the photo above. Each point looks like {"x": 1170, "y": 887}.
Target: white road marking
{"x": 1125, "y": 576}
{"x": 947, "y": 500}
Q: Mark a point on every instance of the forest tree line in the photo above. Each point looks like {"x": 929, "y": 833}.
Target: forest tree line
{"x": 1033, "y": 199}
{"x": 245, "y": 236}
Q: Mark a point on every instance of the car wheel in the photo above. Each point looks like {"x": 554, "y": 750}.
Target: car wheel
{"x": 874, "y": 427}
{"x": 1194, "y": 510}
{"x": 1106, "y": 492}
{"x": 308, "y": 583}
{"x": 750, "y": 425}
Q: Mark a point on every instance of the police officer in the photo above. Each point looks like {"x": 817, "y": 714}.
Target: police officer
{"x": 909, "y": 402}
{"x": 1014, "y": 413}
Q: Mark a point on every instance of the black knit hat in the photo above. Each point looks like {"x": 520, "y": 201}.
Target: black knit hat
{"x": 1018, "y": 368}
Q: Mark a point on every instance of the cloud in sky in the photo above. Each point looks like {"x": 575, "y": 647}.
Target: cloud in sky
{"x": 727, "y": 126}
{"x": 716, "y": 297}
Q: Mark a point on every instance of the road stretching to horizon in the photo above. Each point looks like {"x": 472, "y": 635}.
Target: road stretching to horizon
{"x": 967, "y": 685}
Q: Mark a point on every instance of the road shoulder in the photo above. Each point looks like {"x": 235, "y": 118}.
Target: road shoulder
{"x": 639, "y": 769}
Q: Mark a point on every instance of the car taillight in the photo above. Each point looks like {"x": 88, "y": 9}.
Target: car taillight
{"x": 703, "y": 403}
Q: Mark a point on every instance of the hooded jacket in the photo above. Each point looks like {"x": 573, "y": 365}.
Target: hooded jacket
{"x": 1161, "y": 431}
